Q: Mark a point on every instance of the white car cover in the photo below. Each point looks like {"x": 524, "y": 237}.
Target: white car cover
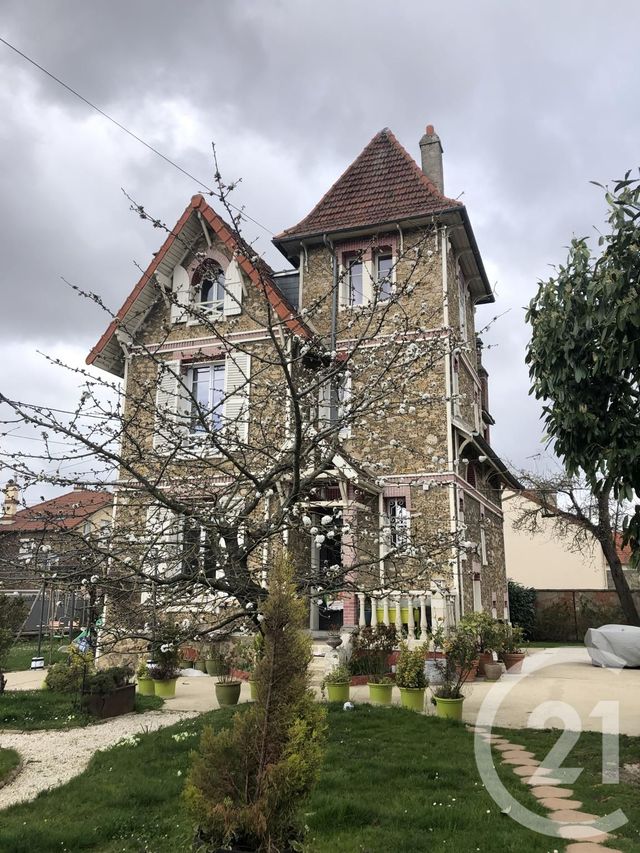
{"x": 614, "y": 645}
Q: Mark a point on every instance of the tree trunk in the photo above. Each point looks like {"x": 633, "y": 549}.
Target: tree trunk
{"x": 608, "y": 545}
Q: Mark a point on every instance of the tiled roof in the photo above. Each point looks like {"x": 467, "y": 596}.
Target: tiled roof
{"x": 62, "y": 513}
{"x": 383, "y": 184}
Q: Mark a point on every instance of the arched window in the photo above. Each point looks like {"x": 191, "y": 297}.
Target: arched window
{"x": 208, "y": 285}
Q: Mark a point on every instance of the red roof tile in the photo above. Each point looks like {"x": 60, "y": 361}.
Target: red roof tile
{"x": 62, "y": 513}
{"x": 384, "y": 184}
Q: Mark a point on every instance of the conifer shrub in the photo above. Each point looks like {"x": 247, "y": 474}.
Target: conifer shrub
{"x": 247, "y": 783}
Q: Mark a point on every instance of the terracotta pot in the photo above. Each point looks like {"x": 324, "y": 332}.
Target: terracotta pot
{"x": 471, "y": 676}
{"x": 513, "y": 661}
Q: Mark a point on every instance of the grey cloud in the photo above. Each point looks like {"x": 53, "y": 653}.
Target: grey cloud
{"x": 531, "y": 100}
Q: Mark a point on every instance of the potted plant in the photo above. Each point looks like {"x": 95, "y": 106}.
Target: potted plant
{"x": 381, "y": 689}
{"x": 144, "y": 678}
{"x": 165, "y": 669}
{"x": 459, "y": 649}
{"x": 487, "y": 634}
{"x": 109, "y": 693}
{"x": 410, "y": 676}
{"x": 214, "y": 662}
{"x": 256, "y": 655}
{"x": 228, "y": 684}
{"x": 337, "y": 683}
{"x": 370, "y": 651}
{"x": 512, "y": 652}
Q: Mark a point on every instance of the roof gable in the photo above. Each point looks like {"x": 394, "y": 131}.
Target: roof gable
{"x": 107, "y": 352}
{"x": 383, "y": 184}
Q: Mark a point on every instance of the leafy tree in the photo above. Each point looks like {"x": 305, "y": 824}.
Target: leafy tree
{"x": 247, "y": 782}
{"x": 522, "y": 608}
{"x": 584, "y": 362}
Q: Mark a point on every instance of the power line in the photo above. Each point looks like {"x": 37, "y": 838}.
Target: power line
{"x": 130, "y": 133}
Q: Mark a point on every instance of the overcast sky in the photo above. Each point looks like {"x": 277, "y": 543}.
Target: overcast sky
{"x": 531, "y": 101}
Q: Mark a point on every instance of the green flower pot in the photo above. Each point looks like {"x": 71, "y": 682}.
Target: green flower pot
{"x": 449, "y": 709}
{"x": 214, "y": 667}
{"x": 165, "y": 689}
{"x": 228, "y": 693}
{"x": 412, "y": 698}
{"x": 200, "y": 665}
{"x": 380, "y": 693}
{"x": 338, "y": 691}
{"x": 146, "y": 687}
{"x": 253, "y": 688}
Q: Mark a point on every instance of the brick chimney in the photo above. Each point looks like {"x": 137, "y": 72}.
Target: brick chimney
{"x": 431, "y": 151}
{"x": 11, "y": 502}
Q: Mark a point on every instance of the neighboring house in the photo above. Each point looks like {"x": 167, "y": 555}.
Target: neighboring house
{"x": 51, "y": 540}
{"x": 544, "y": 560}
{"x": 384, "y": 220}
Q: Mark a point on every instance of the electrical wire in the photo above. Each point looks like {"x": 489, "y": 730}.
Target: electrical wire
{"x": 130, "y": 133}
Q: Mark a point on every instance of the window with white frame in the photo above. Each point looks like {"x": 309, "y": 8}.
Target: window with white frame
{"x": 208, "y": 284}
{"x": 197, "y": 553}
{"x": 206, "y": 383}
{"x": 354, "y": 273}
{"x": 384, "y": 274}
{"x": 399, "y": 522}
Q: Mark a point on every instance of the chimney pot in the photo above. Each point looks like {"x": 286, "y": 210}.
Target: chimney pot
{"x": 431, "y": 151}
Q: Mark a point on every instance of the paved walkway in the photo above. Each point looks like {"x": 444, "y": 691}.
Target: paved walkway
{"x": 565, "y": 819}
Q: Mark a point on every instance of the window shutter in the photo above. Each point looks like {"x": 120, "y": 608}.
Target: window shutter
{"x": 166, "y": 412}
{"x": 233, "y": 290}
{"x": 181, "y": 291}
{"x": 236, "y": 389}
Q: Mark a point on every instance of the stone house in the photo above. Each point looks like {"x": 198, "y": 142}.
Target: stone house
{"x": 385, "y": 272}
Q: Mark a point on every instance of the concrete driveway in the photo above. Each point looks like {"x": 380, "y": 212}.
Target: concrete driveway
{"x": 563, "y": 676}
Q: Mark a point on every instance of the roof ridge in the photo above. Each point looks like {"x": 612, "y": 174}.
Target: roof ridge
{"x": 423, "y": 177}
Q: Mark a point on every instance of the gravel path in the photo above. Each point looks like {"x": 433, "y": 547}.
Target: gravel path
{"x": 52, "y": 758}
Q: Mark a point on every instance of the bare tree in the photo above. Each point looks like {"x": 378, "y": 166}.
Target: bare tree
{"x": 579, "y": 517}
{"x": 214, "y": 470}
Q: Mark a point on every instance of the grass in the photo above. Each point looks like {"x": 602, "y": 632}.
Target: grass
{"x": 21, "y": 654}
{"x": 392, "y": 780}
{"x": 28, "y": 710}
{"x": 9, "y": 759}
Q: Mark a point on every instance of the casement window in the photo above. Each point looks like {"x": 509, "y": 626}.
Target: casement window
{"x": 355, "y": 273}
{"x": 206, "y": 384}
{"x": 197, "y": 553}
{"x": 214, "y": 287}
{"x": 462, "y": 304}
{"x": 399, "y": 522}
{"x": 208, "y": 286}
{"x": 202, "y": 399}
{"x": 384, "y": 272}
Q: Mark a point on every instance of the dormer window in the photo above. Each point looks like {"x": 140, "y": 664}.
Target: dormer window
{"x": 208, "y": 282}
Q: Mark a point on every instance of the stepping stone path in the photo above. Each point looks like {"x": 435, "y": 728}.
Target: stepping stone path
{"x": 574, "y": 824}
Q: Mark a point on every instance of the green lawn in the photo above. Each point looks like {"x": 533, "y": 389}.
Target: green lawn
{"x": 42, "y": 709}
{"x": 392, "y": 781}
{"x": 9, "y": 759}
{"x": 21, "y": 654}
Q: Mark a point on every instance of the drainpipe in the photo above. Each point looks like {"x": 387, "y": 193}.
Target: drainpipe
{"x": 453, "y": 506}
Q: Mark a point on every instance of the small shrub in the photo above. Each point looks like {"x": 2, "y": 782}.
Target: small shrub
{"x": 410, "y": 667}
{"x": 107, "y": 680}
{"x": 338, "y": 675}
{"x": 68, "y": 676}
{"x": 370, "y": 649}
{"x": 13, "y": 612}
